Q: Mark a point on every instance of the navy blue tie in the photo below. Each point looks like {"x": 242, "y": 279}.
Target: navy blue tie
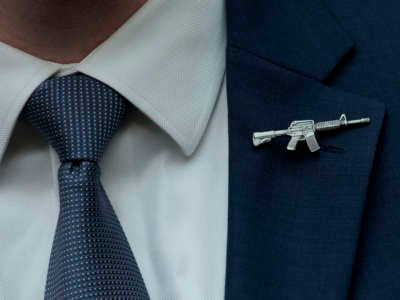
{"x": 90, "y": 256}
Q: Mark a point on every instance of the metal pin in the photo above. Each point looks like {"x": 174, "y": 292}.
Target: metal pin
{"x": 305, "y": 130}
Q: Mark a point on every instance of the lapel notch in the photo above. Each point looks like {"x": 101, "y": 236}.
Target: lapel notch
{"x": 300, "y": 35}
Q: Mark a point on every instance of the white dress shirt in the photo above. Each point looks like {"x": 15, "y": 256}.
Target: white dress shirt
{"x": 165, "y": 171}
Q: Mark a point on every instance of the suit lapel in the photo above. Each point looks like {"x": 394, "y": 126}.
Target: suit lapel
{"x": 294, "y": 217}
{"x": 299, "y": 35}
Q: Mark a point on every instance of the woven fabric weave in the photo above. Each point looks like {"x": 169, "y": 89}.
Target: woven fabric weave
{"x": 90, "y": 257}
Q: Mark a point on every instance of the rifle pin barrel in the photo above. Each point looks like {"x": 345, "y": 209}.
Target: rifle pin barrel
{"x": 359, "y": 121}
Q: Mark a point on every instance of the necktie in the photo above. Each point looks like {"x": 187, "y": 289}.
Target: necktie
{"x": 90, "y": 256}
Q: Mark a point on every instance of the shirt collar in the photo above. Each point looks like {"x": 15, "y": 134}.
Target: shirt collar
{"x": 168, "y": 60}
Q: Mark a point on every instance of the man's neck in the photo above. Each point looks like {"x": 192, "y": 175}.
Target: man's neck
{"x": 63, "y": 31}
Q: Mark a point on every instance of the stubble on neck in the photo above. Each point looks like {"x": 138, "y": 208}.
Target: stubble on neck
{"x": 63, "y": 31}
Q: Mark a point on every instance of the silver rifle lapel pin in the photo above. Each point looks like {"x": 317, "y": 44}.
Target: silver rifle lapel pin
{"x": 305, "y": 130}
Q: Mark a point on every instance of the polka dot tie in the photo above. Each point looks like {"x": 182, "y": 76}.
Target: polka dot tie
{"x": 90, "y": 256}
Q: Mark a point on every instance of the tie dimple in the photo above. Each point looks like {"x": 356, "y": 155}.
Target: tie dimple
{"x": 90, "y": 256}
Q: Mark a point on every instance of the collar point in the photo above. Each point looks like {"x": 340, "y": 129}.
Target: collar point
{"x": 189, "y": 149}
{"x": 188, "y": 146}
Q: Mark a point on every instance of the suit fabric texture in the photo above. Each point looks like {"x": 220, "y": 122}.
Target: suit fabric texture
{"x": 320, "y": 225}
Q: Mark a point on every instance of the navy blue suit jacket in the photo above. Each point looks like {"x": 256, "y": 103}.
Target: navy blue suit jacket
{"x": 326, "y": 225}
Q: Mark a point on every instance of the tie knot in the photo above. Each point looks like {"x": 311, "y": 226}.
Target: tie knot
{"x": 76, "y": 114}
